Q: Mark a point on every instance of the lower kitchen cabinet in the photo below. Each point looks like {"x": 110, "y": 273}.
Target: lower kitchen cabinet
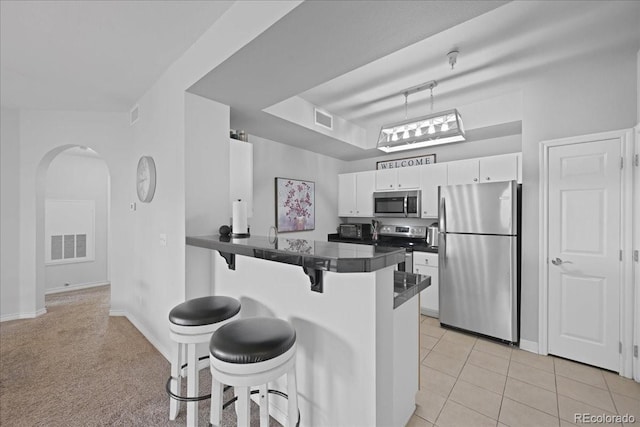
{"x": 427, "y": 263}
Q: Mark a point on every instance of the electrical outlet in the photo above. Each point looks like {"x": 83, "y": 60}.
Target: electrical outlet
{"x": 163, "y": 240}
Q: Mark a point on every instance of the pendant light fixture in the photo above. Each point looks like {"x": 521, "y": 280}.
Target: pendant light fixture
{"x": 433, "y": 129}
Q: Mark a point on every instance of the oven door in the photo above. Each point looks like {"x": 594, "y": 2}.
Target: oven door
{"x": 391, "y": 204}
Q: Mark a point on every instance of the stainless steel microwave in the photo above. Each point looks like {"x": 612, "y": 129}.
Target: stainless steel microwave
{"x": 397, "y": 204}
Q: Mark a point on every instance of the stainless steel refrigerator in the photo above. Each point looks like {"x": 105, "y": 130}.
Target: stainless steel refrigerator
{"x": 479, "y": 258}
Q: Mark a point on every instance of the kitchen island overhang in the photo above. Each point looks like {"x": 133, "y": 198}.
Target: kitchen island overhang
{"x": 358, "y": 340}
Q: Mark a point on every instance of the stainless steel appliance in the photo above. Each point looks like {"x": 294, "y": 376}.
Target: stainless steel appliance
{"x": 397, "y": 204}
{"x": 405, "y": 236}
{"x": 354, "y": 231}
{"x": 479, "y": 258}
{"x": 432, "y": 235}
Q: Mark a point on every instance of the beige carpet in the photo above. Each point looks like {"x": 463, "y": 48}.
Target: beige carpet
{"x": 76, "y": 366}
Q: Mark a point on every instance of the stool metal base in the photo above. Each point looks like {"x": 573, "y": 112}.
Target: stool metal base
{"x": 276, "y": 392}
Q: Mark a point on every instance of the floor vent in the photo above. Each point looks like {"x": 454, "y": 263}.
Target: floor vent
{"x": 324, "y": 119}
{"x": 134, "y": 115}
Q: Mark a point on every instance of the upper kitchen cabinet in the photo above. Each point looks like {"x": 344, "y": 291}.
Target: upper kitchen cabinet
{"x": 431, "y": 176}
{"x": 355, "y": 193}
{"x": 398, "y": 179}
{"x": 241, "y": 172}
{"x": 505, "y": 167}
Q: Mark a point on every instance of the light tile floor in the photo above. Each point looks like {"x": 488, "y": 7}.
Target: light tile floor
{"x": 469, "y": 381}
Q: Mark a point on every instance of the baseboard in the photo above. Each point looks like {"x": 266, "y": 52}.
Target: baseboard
{"x": 530, "y": 346}
{"x": 429, "y": 312}
{"x": 75, "y": 287}
{"x": 9, "y": 317}
{"x": 144, "y": 331}
{"x": 18, "y": 316}
{"x": 116, "y": 313}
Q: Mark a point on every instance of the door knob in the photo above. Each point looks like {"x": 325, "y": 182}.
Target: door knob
{"x": 558, "y": 261}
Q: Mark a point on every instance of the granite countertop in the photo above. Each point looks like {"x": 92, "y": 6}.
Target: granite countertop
{"x": 335, "y": 237}
{"x": 408, "y": 285}
{"x": 325, "y": 256}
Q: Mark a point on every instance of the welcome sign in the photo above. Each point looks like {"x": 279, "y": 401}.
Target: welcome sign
{"x": 407, "y": 162}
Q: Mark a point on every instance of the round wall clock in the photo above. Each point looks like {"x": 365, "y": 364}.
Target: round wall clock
{"x": 146, "y": 179}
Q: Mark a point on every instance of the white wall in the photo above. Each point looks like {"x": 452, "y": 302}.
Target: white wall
{"x": 207, "y": 204}
{"x": 159, "y": 272}
{"x": 43, "y": 135}
{"x": 74, "y": 177}
{"x": 272, "y": 159}
{"x": 9, "y": 214}
{"x": 586, "y": 95}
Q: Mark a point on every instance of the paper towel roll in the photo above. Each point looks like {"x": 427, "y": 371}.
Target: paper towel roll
{"x": 239, "y": 218}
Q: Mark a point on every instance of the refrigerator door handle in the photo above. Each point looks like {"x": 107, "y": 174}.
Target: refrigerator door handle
{"x": 442, "y": 216}
{"x": 442, "y": 251}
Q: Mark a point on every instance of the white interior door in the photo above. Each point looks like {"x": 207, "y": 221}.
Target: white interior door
{"x": 584, "y": 252}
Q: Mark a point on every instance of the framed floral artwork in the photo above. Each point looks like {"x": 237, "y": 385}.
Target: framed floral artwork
{"x": 295, "y": 205}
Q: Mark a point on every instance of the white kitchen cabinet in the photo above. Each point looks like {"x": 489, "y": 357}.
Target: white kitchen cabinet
{"x": 241, "y": 172}
{"x": 499, "y": 168}
{"x": 386, "y": 179}
{"x": 427, "y": 263}
{"x": 431, "y": 176}
{"x": 355, "y": 193}
{"x": 398, "y": 179}
{"x": 505, "y": 167}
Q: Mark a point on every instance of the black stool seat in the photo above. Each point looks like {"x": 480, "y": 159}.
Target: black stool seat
{"x": 204, "y": 311}
{"x": 252, "y": 340}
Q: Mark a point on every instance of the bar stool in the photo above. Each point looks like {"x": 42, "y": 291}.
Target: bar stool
{"x": 253, "y": 352}
{"x": 192, "y": 322}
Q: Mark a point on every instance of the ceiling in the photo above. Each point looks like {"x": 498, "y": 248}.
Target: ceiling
{"x": 350, "y": 58}
{"x": 93, "y": 55}
{"x": 354, "y": 60}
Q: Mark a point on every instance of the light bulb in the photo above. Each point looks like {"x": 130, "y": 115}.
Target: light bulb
{"x": 445, "y": 127}
{"x": 405, "y": 134}
{"x": 431, "y": 129}
{"x": 418, "y": 131}
{"x": 394, "y": 137}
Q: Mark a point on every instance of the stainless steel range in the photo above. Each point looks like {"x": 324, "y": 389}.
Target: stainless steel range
{"x": 409, "y": 237}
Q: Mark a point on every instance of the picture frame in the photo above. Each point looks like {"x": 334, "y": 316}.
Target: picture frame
{"x": 295, "y": 205}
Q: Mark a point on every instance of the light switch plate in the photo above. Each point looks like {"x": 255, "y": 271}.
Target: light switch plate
{"x": 132, "y": 206}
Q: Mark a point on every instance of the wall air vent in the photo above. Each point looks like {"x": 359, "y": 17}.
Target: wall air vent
{"x": 134, "y": 115}
{"x": 323, "y": 119}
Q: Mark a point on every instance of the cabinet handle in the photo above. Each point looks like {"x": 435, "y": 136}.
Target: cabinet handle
{"x": 426, "y": 261}
{"x": 357, "y": 211}
{"x": 399, "y": 185}
{"x": 488, "y": 178}
{"x": 424, "y": 212}
{"x": 390, "y": 185}
{"x": 475, "y": 179}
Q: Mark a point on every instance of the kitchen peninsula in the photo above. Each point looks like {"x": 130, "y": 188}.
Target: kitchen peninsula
{"x": 356, "y": 321}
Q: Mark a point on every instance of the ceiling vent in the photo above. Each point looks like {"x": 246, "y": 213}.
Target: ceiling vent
{"x": 324, "y": 119}
{"x": 134, "y": 115}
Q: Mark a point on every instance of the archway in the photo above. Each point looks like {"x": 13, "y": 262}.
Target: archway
{"x": 90, "y": 252}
